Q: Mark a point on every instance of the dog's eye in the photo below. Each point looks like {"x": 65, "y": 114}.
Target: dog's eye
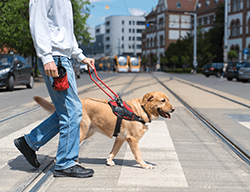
{"x": 163, "y": 100}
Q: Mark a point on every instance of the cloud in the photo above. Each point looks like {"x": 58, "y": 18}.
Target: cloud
{"x": 137, "y": 12}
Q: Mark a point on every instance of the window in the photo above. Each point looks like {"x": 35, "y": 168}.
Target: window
{"x": 107, "y": 38}
{"x": 129, "y": 38}
{"x": 133, "y": 38}
{"x": 161, "y": 40}
{"x": 178, "y": 4}
{"x": 161, "y": 23}
{"x": 122, "y": 46}
{"x": 237, "y": 28}
{"x": 122, "y": 38}
{"x": 107, "y": 23}
{"x": 97, "y": 30}
{"x": 129, "y": 22}
{"x": 215, "y": 2}
{"x": 133, "y": 30}
{"x": 233, "y": 29}
{"x": 238, "y": 5}
{"x": 211, "y": 19}
{"x": 133, "y": 22}
{"x": 129, "y": 46}
{"x": 207, "y": 3}
{"x": 234, "y": 6}
{"x": 122, "y": 30}
{"x": 138, "y": 46}
{"x": 249, "y": 26}
{"x": 107, "y": 31}
{"x": 143, "y": 22}
{"x": 129, "y": 30}
{"x": 122, "y": 22}
{"x": 139, "y": 30}
{"x": 205, "y": 20}
{"x": 248, "y": 4}
{"x": 151, "y": 42}
{"x": 199, "y": 21}
{"x": 138, "y": 38}
{"x": 147, "y": 43}
{"x": 155, "y": 41}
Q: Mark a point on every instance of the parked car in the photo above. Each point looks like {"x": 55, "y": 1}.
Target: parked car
{"x": 232, "y": 71}
{"x": 244, "y": 73}
{"x": 76, "y": 67}
{"x": 84, "y": 68}
{"x": 213, "y": 69}
{"x": 14, "y": 70}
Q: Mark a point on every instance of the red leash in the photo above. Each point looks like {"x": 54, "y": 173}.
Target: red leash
{"x": 117, "y": 96}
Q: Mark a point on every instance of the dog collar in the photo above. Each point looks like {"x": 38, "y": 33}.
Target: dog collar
{"x": 146, "y": 113}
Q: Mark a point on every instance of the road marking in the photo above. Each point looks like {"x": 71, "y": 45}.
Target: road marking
{"x": 8, "y": 150}
{"x": 157, "y": 148}
{"x": 246, "y": 124}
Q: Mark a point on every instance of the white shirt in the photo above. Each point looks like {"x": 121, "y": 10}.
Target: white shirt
{"x": 52, "y": 29}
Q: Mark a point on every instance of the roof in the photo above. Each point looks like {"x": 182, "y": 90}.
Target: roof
{"x": 205, "y": 5}
{"x": 181, "y": 5}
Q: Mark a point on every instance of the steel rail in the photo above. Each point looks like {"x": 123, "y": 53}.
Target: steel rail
{"x": 225, "y": 139}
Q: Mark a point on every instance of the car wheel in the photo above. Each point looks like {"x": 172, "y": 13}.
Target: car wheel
{"x": 31, "y": 82}
{"x": 229, "y": 79}
{"x": 244, "y": 80}
{"x": 207, "y": 75}
{"x": 218, "y": 74}
{"x": 10, "y": 84}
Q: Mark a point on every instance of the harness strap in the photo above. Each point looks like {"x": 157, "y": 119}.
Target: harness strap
{"x": 118, "y": 125}
{"x": 147, "y": 114}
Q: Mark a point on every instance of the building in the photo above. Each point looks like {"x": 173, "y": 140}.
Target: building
{"x": 166, "y": 23}
{"x": 95, "y": 49}
{"x": 123, "y": 35}
{"x": 206, "y": 13}
{"x": 239, "y": 26}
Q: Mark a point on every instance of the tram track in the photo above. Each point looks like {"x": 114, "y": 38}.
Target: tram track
{"x": 238, "y": 150}
{"x": 45, "y": 174}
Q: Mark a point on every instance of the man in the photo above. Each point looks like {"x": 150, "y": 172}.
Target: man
{"x": 51, "y": 26}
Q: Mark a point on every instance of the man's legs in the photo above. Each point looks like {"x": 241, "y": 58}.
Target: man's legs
{"x": 66, "y": 121}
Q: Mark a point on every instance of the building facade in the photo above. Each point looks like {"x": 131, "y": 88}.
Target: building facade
{"x": 166, "y": 23}
{"x": 239, "y": 26}
{"x": 123, "y": 35}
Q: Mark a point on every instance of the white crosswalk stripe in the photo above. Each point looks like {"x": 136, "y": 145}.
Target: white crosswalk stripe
{"x": 154, "y": 144}
{"x": 246, "y": 124}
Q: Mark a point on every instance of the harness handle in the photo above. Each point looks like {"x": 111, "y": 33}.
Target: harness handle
{"x": 117, "y": 96}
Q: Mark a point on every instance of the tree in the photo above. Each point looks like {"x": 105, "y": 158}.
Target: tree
{"x": 232, "y": 54}
{"x": 184, "y": 60}
{"x": 174, "y": 59}
{"x": 14, "y": 25}
{"x": 164, "y": 61}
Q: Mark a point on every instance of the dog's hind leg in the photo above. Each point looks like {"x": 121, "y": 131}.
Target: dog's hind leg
{"x": 116, "y": 147}
{"x": 134, "y": 146}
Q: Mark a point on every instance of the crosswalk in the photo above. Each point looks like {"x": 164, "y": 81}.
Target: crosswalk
{"x": 168, "y": 171}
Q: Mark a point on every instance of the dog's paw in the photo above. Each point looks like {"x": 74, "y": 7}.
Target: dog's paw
{"x": 110, "y": 162}
{"x": 148, "y": 166}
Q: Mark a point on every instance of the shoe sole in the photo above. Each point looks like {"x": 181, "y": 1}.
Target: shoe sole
{"x": 18, "y": 146}
{"x": 60, "y": 174}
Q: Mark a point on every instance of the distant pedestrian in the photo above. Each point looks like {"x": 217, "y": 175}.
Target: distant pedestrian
{"x": 51, "y": 25}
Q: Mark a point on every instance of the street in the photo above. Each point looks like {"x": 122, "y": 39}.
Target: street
{"x": 187, "y": 155}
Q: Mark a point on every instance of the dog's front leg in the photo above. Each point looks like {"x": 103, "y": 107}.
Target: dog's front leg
{"x": 116, "y": 147}
{"x": 134, "y": 146}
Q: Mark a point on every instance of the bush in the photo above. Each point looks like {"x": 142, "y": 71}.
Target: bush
{"x": 182, "y": 70}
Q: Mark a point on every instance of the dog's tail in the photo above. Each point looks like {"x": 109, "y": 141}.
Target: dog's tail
{"x": 45, "y": 104}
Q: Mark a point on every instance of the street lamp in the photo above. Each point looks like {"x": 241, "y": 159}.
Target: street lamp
{"x": 195, "y": 40}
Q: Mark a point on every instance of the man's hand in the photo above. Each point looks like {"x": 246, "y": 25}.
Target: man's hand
{"x": 51, "y": 69}
{"x": 90, "y": 62}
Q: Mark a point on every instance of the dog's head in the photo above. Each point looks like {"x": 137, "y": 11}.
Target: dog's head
{"x": 157, "y": 103}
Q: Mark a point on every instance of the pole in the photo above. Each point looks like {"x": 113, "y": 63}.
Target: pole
{"x": 195, "y": 43}
{"x": 225, "y": 38}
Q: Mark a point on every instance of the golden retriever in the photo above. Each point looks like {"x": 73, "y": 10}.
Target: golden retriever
{"x": 98, "y": 116}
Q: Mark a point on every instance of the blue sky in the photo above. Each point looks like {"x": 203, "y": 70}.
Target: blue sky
{"x": 98, "y": 12}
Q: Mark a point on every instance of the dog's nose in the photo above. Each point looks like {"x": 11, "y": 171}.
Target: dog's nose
{"x": 172, "y": 110}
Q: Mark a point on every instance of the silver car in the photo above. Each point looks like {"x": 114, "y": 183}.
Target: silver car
{"x": 244, "y": 73}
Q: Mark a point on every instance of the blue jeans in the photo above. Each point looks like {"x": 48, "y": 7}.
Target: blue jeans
{"x": 65, "y": 120}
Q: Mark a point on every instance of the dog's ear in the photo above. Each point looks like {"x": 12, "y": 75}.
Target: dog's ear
{"x": 147, "y": 97}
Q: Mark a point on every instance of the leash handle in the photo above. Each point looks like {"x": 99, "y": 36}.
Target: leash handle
{"x": 103, "y": 84}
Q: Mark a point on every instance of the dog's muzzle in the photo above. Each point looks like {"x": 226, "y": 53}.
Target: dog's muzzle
{"x": 165, "y": 114}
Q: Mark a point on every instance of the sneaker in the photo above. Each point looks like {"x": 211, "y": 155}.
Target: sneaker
{"x": 74, "y": 171}
{"x": 28, "y": 153}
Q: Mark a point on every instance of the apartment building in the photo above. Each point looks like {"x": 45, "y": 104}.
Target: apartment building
{"x": 239, "y": 26}
{"x": 123, "y": 35}
{"x": 166, "y": 24}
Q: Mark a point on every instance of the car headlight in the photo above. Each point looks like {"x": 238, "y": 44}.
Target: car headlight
{"x": 3, "y": 71}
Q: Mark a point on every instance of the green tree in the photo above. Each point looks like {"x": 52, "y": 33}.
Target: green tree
{"x": 232, "y": 54}
{"x": 164, "y": 61}
{"x": 174, "y": 59}
{"x": 184, "y": 60}
{"x": 14, "y": 25}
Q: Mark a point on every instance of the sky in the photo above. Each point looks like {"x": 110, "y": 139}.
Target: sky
{"x": 99, "y": 9}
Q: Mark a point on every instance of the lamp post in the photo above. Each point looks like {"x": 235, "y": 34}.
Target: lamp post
{"x": 195, "y": 40}
{"x": 225, "y": 48}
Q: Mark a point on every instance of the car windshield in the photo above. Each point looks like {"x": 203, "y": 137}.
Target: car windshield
{"x": 5, "y": 60}
{"x": 134, "y": 61}
{"x": 122, "y": 61}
